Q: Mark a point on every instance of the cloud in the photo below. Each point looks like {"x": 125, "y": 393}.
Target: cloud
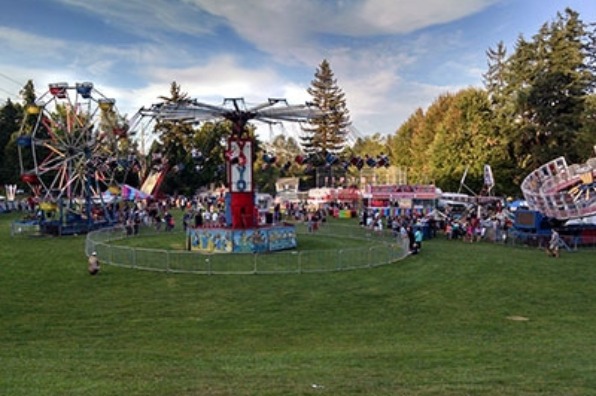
{"x": 369, "y": 44}
{"x": 148, "y": 18}
{"x": 21, "y": 43}
{"x": 404, "y": 16}
{"x": 221, "y": 77}
{"x": 283, "y": 26}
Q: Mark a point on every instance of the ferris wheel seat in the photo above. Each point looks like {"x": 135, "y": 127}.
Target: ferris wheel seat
{"x": 358, "y": 162}
{"x": 120, "y": 132}
{"x": 331, "y": 159}
{"x": 106, "y": 104}
{"x": 59, "y": 90}
{"x": 24, "y": 141}
{"x": 84, "y": 89}
{"x": 33, "y": 109}
{"x": 269, "y": 158}
{"x": 30, "y": 178}
{"x": 48, "y": 206}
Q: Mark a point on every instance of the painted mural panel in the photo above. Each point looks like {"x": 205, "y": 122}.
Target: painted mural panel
{"x": 281, "y": 238}
{"x": 259, "y": 240}
{"x": 211, "y": 240}
{"x": 250, "y": 241}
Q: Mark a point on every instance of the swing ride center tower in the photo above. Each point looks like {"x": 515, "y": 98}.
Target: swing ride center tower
{"x": 242, "y": 232}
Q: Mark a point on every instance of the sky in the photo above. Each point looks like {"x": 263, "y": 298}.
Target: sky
{"x": 389, "y": 57}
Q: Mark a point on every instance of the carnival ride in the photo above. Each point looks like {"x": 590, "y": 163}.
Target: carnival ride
{"x": 565, "y": 195}
{"x": 241, "y": 231}
{"x": 562, "y": 191}
{"x": 74, "y": 155}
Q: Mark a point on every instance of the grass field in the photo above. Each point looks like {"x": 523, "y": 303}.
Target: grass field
{"x": 458, "y": 319}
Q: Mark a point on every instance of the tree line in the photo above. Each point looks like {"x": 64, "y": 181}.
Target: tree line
{"x": 537, "y": 104}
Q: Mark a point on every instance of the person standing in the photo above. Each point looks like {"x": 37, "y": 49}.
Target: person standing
{"x": 93, "y": 264}
{"x": 418, "y": 237}
{"x": 411, "y": 240}
{"x": 553, "y": 244}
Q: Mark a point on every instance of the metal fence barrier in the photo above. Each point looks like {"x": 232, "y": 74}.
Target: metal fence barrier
{"x": 24, "y": 227}
{"x": 514, "y": 238}
{"x": 567, "y": 242}
{"x": 379, "y": 250}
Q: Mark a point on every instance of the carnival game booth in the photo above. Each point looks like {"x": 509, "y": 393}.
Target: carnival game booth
{"x": 397, "y": 200}
{"x": 319, "y": 198}
{"x": 287, "y": 190}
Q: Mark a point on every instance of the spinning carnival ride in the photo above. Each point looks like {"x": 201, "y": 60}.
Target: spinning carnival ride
{"x": 74, "y": 155}
{"x": 562, "y": 191}
{"x": 241, "y": 232}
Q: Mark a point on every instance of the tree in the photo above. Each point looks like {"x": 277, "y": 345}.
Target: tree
{"x": 494, "y": 78}
{"x": 10, "y": 114}
{"x": 12, "y": 124}
{"x": 400, "y": 144}
{"x": 285, "y": 149}
{"x": 207, "y": 155}
{"x": 538, "y": 104}
{"x": 548, "y": 81}
{"x": 422, "y": 138}
{"x": 175, "y": 138}
{"x": 586, "y": 139}
{"x": 327, "y": 134}
{"x": 174, "y": 135}
{"x": 463, "y": 139}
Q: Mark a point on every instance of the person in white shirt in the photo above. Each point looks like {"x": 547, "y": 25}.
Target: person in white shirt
{"x": 93, "y": 264}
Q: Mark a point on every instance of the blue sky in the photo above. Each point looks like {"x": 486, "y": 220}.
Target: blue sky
{"x": 389, "y": 56}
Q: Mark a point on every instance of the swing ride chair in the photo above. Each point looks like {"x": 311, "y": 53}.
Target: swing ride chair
{"x": 241, "y": 232}
{"x": 73, "y": 157}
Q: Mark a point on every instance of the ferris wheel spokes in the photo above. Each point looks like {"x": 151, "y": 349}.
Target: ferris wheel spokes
{"x": 70, "y": 146}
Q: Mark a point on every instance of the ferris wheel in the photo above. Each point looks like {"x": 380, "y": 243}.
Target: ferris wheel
{"x": 73, "y": 147}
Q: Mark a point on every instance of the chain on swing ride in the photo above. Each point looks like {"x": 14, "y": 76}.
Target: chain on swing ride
{"x": 72, "y": 152}
{"x": 242, "y": 232}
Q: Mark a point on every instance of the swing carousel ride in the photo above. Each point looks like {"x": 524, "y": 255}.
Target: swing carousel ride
{"x": 74, "y": 155}
{"x": 241, "y": 232}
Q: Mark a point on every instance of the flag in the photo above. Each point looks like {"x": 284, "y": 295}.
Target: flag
{"x": 130, "y": 193}
{"x": 489, "y": 181}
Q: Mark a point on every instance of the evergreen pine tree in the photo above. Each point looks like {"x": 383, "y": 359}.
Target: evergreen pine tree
{"x": 494, "y": 78}
{"x": 326, "y": 134}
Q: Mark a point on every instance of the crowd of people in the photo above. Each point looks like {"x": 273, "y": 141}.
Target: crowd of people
{"x": 209, "y": 211}
{"x": 485, "y": 225}
{"x": 474, "y": 229}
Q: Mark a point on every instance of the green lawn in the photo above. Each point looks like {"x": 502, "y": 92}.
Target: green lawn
{"x": 445, "y": 322}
